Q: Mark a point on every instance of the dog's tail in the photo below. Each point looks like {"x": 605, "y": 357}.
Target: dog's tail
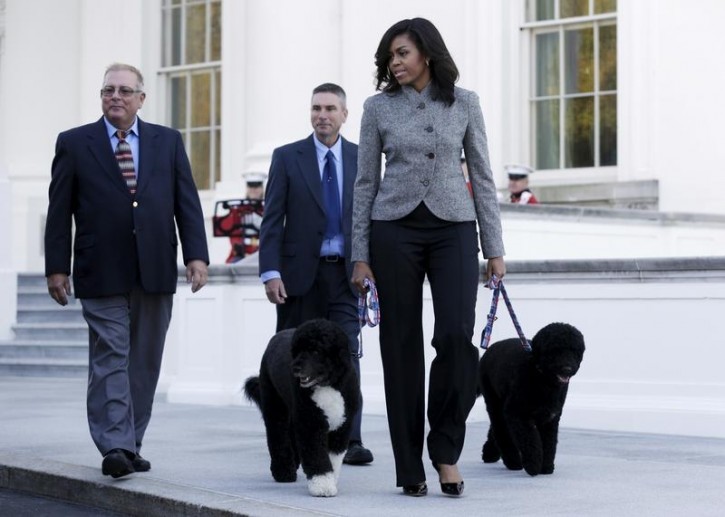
{"x": 252, "y": 390}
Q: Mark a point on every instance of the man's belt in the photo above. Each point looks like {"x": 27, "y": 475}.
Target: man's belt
{"x": 332, "y": 258}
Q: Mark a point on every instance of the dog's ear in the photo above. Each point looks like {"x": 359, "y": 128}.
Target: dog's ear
{"x": 556, "y": 336}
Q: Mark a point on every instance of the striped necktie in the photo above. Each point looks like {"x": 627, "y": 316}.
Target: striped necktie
{"x": 125, "y": 161}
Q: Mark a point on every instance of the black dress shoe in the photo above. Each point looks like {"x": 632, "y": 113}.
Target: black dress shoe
{"x": 357, "y": 454}
{"x": 141, "y": 464}
{"x": 418, "y": 490}
{"x": 454, "y": 489}
{"x": 116, "y": 463}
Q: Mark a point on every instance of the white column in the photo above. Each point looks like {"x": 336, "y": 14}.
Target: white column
{"x": 40, "y": 88}
{"x": 284, "y": 61}
{"x": 8, "y": 294}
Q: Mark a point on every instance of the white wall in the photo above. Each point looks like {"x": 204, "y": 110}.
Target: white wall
{"x": 543, "y": 232}
{"x": 275, "y": 52}
{"x": 685, "y": 72}
{"x": 652, "y": 363}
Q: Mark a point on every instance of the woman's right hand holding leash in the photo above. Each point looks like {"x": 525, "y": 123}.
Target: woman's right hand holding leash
{"x": 360, "y": 272}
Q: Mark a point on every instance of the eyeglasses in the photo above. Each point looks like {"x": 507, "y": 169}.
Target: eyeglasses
{"x": 123, "y": 91}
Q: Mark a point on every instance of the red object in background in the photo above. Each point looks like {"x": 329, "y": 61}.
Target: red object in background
{"x": 240, "y": 220}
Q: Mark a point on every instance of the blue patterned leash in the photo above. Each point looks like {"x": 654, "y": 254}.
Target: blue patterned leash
{"x": 497, "y": 285}
{"x": 367, "y": 303}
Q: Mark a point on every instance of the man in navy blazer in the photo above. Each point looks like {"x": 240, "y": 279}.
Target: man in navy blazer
{"x": 126, "y": 185}
{"x": 304, "y": 253}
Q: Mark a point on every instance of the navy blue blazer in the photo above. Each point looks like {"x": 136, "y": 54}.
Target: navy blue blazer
{"x": 121, "y": 239}
{"x": 294, "y": 214}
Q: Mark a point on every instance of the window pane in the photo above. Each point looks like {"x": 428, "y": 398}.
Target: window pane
{"x": 178, "y": 102}
{"x": 608, "y": 130}
{"x": 216, "y": 31}
{"x": 547, "y": 134}
{"x": 200, "y": 153}
{"x": 571, "y": 8}
{"x": 608, "y": 57}
{"x": 201, "y": 100}
{"x": 605, "y": 6}
{"x": 218, "y": 98}
{"x": 172, "y": 37}
{"x": 579, "y": 60}
{"x": 217, "y": 155}
{"x": 540, "y": 10}
{"x": 579, "y": 132}
{"x": 547, "y": 64}
{"x": 195, "y": 33}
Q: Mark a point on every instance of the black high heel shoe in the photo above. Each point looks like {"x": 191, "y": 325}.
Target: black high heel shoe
{"x": 453, "y": 489}
{"x": 418, "y": 490}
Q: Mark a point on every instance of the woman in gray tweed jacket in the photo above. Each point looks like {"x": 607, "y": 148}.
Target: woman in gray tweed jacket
{"x": 419, "y": 219}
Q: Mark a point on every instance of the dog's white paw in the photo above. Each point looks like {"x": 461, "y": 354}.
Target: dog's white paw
{"x": 323, "y": 485}
{"x": 336, "y": 461}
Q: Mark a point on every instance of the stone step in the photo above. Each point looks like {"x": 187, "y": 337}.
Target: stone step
{"x": 49, "y": 314}
{"x": 43, "y": 367}
{"x": 75, "y": 350}
{"x": 53, "y": 331}
{"x": 32, "y": 280}
{"x": 50, "y": 340}
{"x": 40, "y": 297}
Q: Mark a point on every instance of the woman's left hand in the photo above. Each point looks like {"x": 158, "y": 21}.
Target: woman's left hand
{"x": 495, "y": 266}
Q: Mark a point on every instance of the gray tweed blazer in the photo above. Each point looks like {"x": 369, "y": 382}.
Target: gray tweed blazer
{"x": 422, "y": 141}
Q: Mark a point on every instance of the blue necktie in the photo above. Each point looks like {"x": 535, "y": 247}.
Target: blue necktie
{"x": 331, "y": 196}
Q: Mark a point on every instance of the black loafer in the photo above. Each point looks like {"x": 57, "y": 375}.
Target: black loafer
{"x": 141, "y": 464}
{"x": 418, "y": 490}
{"x": 116, "y": 464}
{"x": 357, "y": 454}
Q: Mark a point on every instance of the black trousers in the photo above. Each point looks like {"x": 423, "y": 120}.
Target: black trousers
{"x": 331, "y": 298}
{"x": 403, "y": 252}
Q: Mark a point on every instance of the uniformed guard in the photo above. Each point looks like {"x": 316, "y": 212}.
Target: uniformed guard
{"x": 519, "y": 192}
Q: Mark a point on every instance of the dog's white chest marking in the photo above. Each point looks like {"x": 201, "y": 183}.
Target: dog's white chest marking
{"x": 330, "y": 401}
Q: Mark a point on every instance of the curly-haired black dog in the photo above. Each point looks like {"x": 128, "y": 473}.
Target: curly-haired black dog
{"x": 308, "y": 392}
{"x": 525, "y": 393}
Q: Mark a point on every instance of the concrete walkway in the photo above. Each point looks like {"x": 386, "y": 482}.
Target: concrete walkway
{"x": 213, "y": 461}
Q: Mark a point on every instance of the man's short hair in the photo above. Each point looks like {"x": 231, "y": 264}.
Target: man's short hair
{"x": 331, "y": 88}
{"x": 115, "y": 67}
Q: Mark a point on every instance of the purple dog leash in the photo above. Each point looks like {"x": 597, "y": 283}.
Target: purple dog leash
{"x": 497, "y": 285}
{"x": 367, "y": 303}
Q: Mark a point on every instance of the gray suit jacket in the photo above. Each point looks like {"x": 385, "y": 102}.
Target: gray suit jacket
{"x": 422, "y": 141}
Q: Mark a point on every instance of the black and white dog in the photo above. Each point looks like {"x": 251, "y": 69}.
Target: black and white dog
{"x": 308, "y": 392}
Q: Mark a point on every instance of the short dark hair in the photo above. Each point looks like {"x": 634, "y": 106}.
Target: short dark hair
{"x": 332, "y": 88}
{"x": 429, "y": 42}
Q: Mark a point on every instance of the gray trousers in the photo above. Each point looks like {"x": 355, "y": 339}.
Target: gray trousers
{"x": 126, "y": 337}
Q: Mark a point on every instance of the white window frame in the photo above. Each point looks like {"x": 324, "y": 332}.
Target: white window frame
{"x": 529, "y": 30}
{"x": 213, "y": 67}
